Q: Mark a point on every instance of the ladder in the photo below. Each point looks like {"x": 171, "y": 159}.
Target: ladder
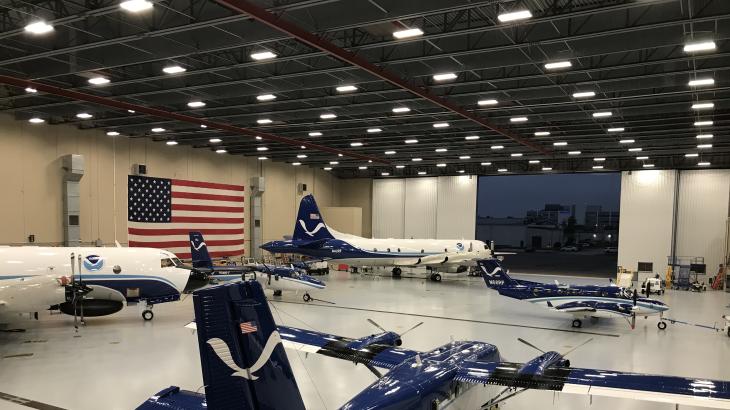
{"x": 719, "y": 278}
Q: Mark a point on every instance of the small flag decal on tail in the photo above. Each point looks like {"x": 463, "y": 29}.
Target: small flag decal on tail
{"x": 248, "y": 327}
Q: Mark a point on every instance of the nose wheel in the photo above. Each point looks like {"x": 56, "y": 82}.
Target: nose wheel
{"x": 577, "y": 323}
{"x": 661, "y": 325}
{"x": 306, "y": 297}
{"x": 147, "y": 315}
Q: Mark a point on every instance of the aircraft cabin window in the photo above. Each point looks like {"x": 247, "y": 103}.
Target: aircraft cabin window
{"x": 388, "y": 249}
{"x": 446, "y": 249}
{"x": 166, "y": 263}
{"x": 375, "y": 249}
{"x": 398, "y": 249}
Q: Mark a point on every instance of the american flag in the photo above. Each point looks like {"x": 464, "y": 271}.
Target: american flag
{"x": 248, "y": 327}
{"x": 161, "y": 213}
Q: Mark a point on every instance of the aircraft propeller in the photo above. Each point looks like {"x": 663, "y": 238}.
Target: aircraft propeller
{"x": 561, "y": 354}
{"x": 399, "y": 340}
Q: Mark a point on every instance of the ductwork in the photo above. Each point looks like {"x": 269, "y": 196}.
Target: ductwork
{"x": 73, "y": 167}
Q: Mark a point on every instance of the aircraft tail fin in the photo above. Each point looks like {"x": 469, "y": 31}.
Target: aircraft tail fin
{"x": 199, "y": 251}
{"x": 310, "y": 225}
{"x": 494, "y": 274}
{"x": 243, "y": 360}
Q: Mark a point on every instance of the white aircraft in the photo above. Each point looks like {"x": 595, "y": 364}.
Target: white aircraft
{"x": 88, "y": 280}
{"x": 312, "y": 237}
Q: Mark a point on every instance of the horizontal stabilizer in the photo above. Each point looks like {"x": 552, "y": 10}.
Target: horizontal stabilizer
{"x": 378, "y": 355}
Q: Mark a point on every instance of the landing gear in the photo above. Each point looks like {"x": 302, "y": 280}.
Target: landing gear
{"x": 147, "y": 314}
{"x": 577, "y": 323}
{"x": 397, "y": 272}
{"x": 661, "y": 325}
{"x": 277, "y": 293}
{"x": 306, "y": 297}
{"x": 436, "y": 277}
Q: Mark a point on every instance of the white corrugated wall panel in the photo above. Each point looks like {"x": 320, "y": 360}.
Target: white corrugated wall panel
{"x": 702, "y": 212}
{"x": 420, "y": 208}
{"x": 388, "y": 208}
{"x": 647, "y": 208}
{"x": 457, "y": 207}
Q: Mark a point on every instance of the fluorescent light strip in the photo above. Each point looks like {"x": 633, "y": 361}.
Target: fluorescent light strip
{"x": 574, "y": 152}
{"x": 196, "y": 104}
{"x": 444, "y": 76}
{"x": 629, "y": 141}
{"x": 346, "y": 88}
{"x": 488, "y": 102}
{"x": 398, "y": 110}
{"x": 542, "y": 133}
{"x": 471, "y": 137}
{"x": 617, "y": 129}
{"x": 704, "y": 136}
{"x": 407, "y": 33}
{"x": 374, "y": 130}
{"x": 266, "y": 97}
{"x": 558, "y": 64}
{"x": 263, "y": 55}
{"x": 703, "y": 106}
{"x": 699, "y": 46}
{"x": 703, "y": 123}
{"x": 174, "y": 69}
{"x": 560, "y": 143}
{"x": 701, "y": 81}
{"x": 264, "y": 121}
{"x": 599, "y": 159}
{"x": 328, "y": 116}
{"x": 315, "y": 134}
{"x": 515, "y": 15}
{"x": 518, "y": 119}
{"x": 411, "y": 141}
{"x": 584, "y": 94}
{"x": 136, "y": 6}
{"x": 703, "y": 164}
{"x": 389, "y": 152}
{"x": 516, "y": 154}
{"x": 441, "y": 125}
{"x": 602, "y": 114}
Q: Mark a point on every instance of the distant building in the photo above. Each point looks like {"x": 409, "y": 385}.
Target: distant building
{"x": 551, "y": 214}
{"x": 596, "y": 219}
{"x": 517, "y": 233}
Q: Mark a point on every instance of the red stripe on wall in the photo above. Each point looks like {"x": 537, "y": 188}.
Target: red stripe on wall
{"x": 182, "y": 231}
{"x": 207, "y": 208}
{"x": 211, "y": 185}
{"x": 183, "y": 244}
{"x": 205, "y": 220}
{"x": 209, "y": 197}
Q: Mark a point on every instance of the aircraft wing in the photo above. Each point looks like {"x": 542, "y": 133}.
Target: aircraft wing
{"x": 590, "y": 306}
{"x": 378, "y": 355}
{"x": 608, "y": 383}
{"x": 441, "y": 259}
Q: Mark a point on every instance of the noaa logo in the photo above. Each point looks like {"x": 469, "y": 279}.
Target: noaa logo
{"x": 459, "y": 246}
{"x": 93, "y": 262}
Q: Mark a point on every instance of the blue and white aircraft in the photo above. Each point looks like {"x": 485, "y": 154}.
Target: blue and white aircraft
{"x": 244, "y": 366}
{"x": 99, "y": 280}
{"x": 276, "y": 278}
{"x": 313, "y": 238}
{"x": 581, "y": 301}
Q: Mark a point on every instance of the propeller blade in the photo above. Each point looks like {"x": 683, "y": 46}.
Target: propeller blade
{"x": 576, "y": 348}
{"x": 531, "y": 345}
{"x": 372, "y": 322}
{"x": 418, "y": 324}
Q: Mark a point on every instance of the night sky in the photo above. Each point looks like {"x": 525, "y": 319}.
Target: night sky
{"x": 514, "y": 195}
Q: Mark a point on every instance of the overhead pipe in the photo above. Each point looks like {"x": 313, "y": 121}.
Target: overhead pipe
{"x": 276, "y": 22}
{"x": 109, "y": 102}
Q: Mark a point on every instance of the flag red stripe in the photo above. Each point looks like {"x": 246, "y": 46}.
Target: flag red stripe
{"x": 206, "y": 220}
{"x": 182, "y": 244}
{"x": 207, "y": 208}
{"x": 213, "y": 185}
{"x": 210, "y": 197}
{"x": 220, "y": 254}
{"x": 182, "y": 231}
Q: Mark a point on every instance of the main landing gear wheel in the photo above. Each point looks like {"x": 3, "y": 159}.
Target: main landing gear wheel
{"x": 147, "y": 315}
{"x": 306, "y": 297}
{"x": 277, "y": 293}
{"x": 436, "y": 277}
{"x": 577, "y": 323}
{"x": 661, "y": 325}
{"x": 396, "y": 272}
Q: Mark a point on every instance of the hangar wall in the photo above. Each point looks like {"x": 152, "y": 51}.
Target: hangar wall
{"x": 32, "y": 175}
{"x": 647, "y": 211}
{"x": 430, "y": 207}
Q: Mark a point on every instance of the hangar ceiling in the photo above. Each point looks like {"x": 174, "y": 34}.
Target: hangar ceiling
{"x": 628, "y": 62}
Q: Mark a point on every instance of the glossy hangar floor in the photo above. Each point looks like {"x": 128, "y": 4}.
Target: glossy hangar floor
{"x": 117, "y": 362}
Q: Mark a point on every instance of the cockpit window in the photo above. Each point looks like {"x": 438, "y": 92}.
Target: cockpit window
{"x": 177, "y": 262}
{"x": 167, "y": 263}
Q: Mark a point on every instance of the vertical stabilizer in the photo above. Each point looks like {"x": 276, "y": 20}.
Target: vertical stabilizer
{"x": 494, "y": 274}
{"x": 199, "y": 251}
{"x": 310, "y": 224}
{"x": 243, "y": 361}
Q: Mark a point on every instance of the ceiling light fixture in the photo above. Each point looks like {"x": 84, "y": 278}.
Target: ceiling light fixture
{"x": 407, "y": 33}
{"x": 703, "y": 123}
{"x": 30, "y": 90}
{"x": 691, "y": 155}
{"x": 701, "y": 82}
{"x": 703, "y": 164}
{"x": 699, "y": 46}
{"x": 389, "y": 152}
{"x": 136, "y": 6}
{"x": 703, "y": 106}
{"x": 296, "y": 164}
{"x": 514, "y": 16}
{"x": 399, "y": 110}
{"x": 374, "y": 130}
{"x": 171, "y": 142}
{"x": 516, "y": 154}
{"x": 356, "y": 144}
{"x": 421, "y": 172}
{"x": 584, "y": 94}
{"x": 441, "y": 165}
{"x": 346, "y": 88}
{"x": 518, "y": 119}
{"x": 627, "y": 141}
{"x": 385, "y": 174}
{"x": 328, "y": 116}
{"x": 327, "y": 168}
{"x": 411, "y": 141}
{"x": 486, "y": 164}
{"x": 38, "y": 27}
{"x": 558, "y": 64}
{"x": 334, "y": 163}
{"x": 36, "y": 120}
{"x": 174, "y": 69}
{"x": 262, "y": 148}
{"x": 599, "y": 159}
{"x": 444, "y": 76}
{"x": 264, "y": 121}
{"x": 502, "y": 170}
{"x": 648, "y": 165}
{"x": 704, "y": 136}
{"x": 617, "y": 129}
{"x": 158, "y": 129}
{"x": 214, "y": 140}
{"x": 112, "y": 133}
{"x": 487, "y": 102}
{"x": 547, "y": 169}
{"x": 416, "y": 159}
{"x": 302, "y": 156}
{"x": 465, "y": 157}
{"x": 99, "y": 80}
{"x": 598, "y": 167}
{"x": 84, "y": 115}
{"x": 703, "y": 146}
{"x": 573, "y": 152}
{"x": 220, "y": 151}
{"x": 441, "y": 150}
{"x": 560, "y": 143}
{"x": 400, "y": 166}
{"x": 602, "y": 114}
{"x": 635, "y": 149}
{"x": 471, "y": 137}
{"x": 263, "y": 55}
{"x": 642, "y": 158}
{"x": 497, "y": 147}
{"x": 441, "y": 125}
{"x": 266, "y": 97}
{"x": 263, "y": 158}
{"x": 534, "y": 161}
{"x": 203, "y": 126}
{"x": 542, "y": 133}
{"x": 196, "y": 104}
{"x": 315, "y": 134}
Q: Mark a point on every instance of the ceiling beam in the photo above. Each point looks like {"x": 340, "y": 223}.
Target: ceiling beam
{"x": 319, "y": 43}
